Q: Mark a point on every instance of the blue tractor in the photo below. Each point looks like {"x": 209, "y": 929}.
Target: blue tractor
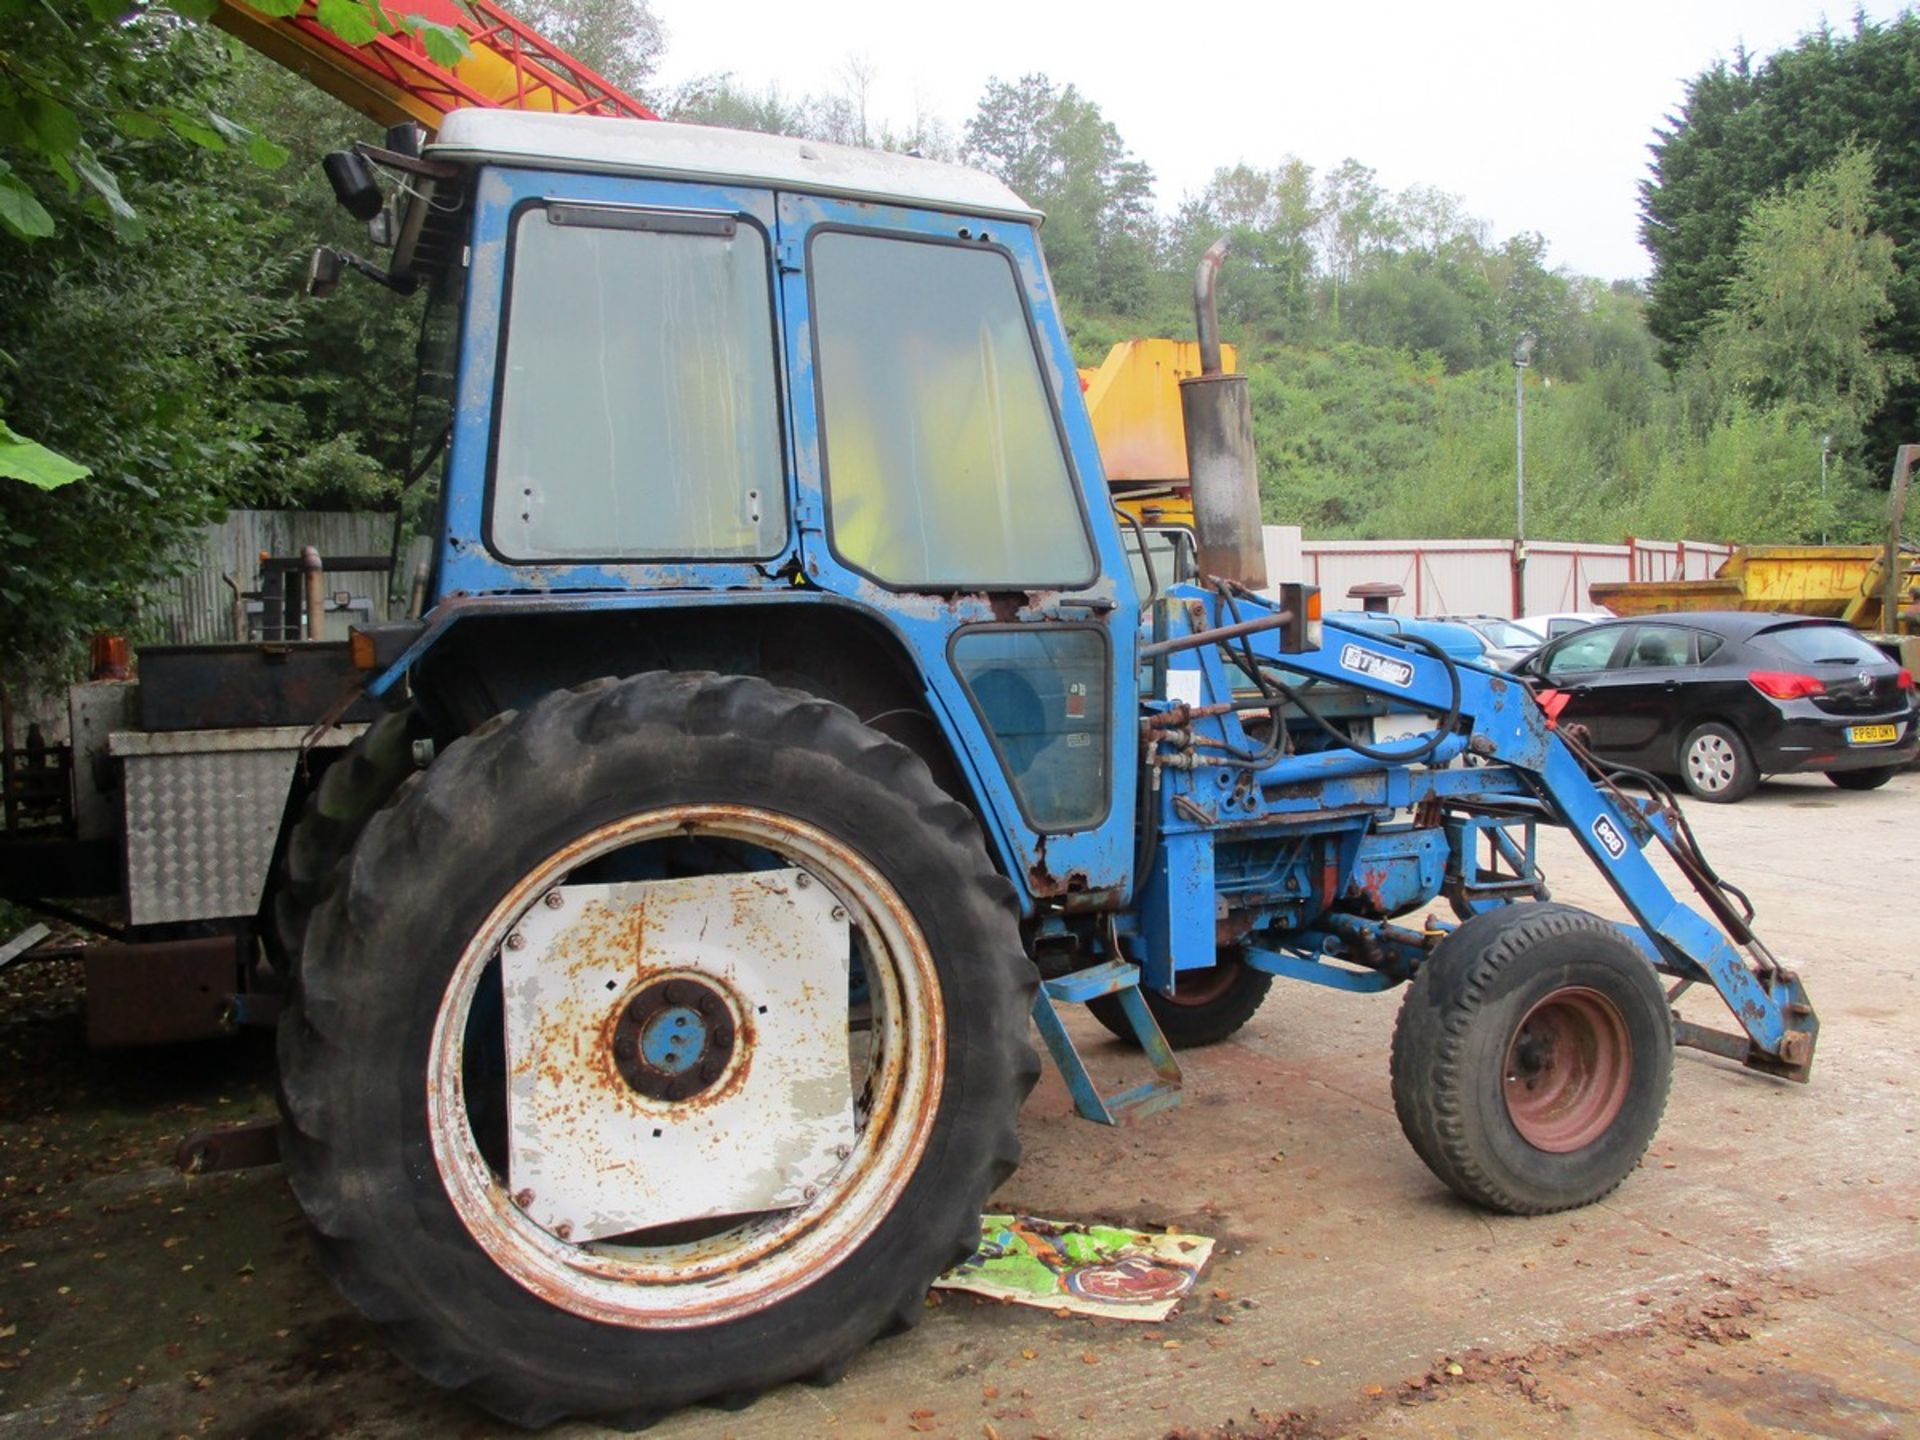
{"x": 784, "y": 734}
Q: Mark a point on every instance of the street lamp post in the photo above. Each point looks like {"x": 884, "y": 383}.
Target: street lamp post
{"x": 1522, "y": 357}
{"x": 1826, "y": 449}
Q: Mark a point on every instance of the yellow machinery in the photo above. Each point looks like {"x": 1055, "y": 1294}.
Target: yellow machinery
{"x": 1874, "y": 588}
{"x": 1844, "y": 582}
{"x": 1134, "y": 401}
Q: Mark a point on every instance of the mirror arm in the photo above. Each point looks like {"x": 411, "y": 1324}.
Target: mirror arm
{"x": 399, "y": 284}
{"x": 322, "y": 277}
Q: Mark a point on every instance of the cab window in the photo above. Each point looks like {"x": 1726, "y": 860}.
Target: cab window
{"x": 943, "y": 458}
{"x": 1171, "y": 552}
{"x": 638, "y": 416}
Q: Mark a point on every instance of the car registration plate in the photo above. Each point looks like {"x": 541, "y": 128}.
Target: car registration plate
{"x": 1872, "y": 734}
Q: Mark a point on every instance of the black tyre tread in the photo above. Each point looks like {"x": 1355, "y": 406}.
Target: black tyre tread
{"x": 1870, "y": 778}
{"x": 1425, "y": 1061}
{"x": 433, "y": 810}
{"x": 356, "y": 785}
{"x": 1188, "y": 1027}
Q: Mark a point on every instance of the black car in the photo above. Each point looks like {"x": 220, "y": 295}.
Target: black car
{"x": 1721, "y": 698}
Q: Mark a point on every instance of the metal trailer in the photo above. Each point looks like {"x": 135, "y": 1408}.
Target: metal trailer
{"x": 1874, "y": 588}
{"x": 786, "y": 736}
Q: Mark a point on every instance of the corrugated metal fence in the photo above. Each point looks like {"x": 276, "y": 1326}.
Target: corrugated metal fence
{"x": 196, "y": 607}
{"x": 1475, "y": 577}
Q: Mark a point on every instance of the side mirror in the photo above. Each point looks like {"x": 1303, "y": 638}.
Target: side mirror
{"x": 323, "y": 272}
{"x": 353, "y": 184}
{"x": 405, "y": 139}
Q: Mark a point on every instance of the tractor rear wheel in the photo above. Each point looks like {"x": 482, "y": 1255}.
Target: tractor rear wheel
{"x": 790, "y": 919}
{"x": 1207, "y": 1006}
{"x": 1532, "y": 1058}
{"x": 350, "y": 792}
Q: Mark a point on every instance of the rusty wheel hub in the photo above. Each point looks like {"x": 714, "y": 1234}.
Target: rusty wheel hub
{"x": 1569, "y": 1066}
{"x": 674, "y": 1038}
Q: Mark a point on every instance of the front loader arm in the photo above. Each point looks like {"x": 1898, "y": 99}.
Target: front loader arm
{"x": 1516, "y": 758}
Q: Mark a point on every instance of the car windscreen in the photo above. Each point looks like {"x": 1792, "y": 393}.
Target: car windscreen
{"x": 1506, "y": 634}
{"x": 1822, "y": 645}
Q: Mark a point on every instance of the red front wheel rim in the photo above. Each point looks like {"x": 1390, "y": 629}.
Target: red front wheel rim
{"x": 1568, "y": 1068}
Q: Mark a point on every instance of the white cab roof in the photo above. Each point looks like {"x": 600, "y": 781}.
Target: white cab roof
{"x": 706, "y": 152}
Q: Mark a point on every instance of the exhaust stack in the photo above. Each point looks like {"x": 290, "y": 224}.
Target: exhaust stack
{"x": 1218, "y": 415}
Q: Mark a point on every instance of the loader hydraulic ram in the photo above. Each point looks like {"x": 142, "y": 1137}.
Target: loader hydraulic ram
{"x": 785, "y": 736}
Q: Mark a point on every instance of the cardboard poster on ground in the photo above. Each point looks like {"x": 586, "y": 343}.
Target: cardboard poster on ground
{"x": 1102, "y": 1270}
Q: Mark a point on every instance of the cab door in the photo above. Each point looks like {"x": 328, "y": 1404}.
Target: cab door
{"x": 948, "y": 483}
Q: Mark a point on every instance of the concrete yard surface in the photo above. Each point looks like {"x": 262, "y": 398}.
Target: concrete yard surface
{"x": 1757, "y": 1275}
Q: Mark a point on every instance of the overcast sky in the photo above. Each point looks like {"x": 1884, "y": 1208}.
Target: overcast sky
{"x": 1537, "y": 114}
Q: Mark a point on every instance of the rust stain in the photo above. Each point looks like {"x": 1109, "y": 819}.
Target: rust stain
{"x": 1371, "y": 882}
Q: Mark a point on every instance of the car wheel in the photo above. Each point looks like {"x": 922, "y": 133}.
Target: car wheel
{"x": 1716, "y": 764}
{"x": 1871, "y": 779}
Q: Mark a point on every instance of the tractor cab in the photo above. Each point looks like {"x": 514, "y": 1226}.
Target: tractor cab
{"x": 822, "y": 397}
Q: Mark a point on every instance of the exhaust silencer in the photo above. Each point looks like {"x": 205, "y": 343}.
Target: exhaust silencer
{"x": 1218, "y": 415}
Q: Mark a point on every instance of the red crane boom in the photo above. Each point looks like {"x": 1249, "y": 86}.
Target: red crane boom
{"x": 393, "y": 79}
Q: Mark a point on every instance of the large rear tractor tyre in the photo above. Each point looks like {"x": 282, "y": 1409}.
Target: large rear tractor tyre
{"x": 1207, "y": 1006}
{"x": 1532, "y": 1058}
{"x": 398, "y": 1140}
{"x": 350, "y": 793}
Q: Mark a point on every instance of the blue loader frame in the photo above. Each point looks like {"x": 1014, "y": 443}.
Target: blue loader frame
{"x": 1218, "y": 824}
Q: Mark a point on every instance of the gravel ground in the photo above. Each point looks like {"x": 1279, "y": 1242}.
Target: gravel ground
{"x": 1757, "y": 1275}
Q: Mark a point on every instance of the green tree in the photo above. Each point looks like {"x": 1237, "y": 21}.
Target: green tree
{"x": 1748, "y": 129}
{"x": 840, "y": 117}
{"x": 137, "y": 360}
{"x": 621, "y": 39}
{"x": 1357, "y": 220}
{"x": 1054, "y": 149}
{"x": 1271, "y": 216}
{"x": 1811, "y": 285}
{"x": 172, "y": 356}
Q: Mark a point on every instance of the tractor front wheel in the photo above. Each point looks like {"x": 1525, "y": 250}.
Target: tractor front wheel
{"x": 656, "y": 1045}
{"x": 1532, "y": 1058}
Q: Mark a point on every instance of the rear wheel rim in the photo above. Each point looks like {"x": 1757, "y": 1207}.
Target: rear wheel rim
{"x": 1568, "y": 1069}
{"x": 763, "y": 1260}
{"x": 1712, "y": 763}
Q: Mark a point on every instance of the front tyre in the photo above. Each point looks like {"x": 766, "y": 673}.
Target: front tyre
{"x": 1869, "y": 779}
{"x": 397, "y": 1133}
{"x": 1532, "y": 1058}
{"x": 1716, "y": 764}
